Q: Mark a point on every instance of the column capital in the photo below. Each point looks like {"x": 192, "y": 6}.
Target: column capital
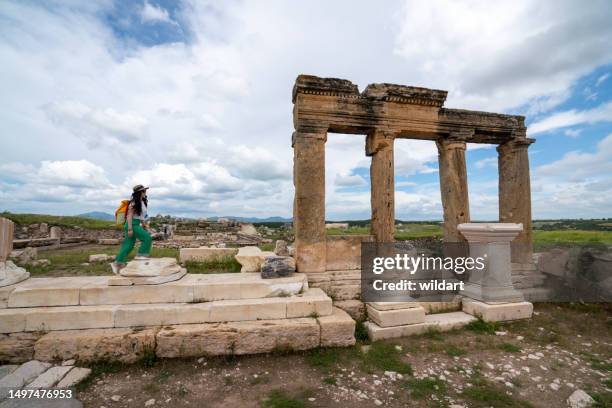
{"x": 309, "y": 135}
{"x": 513, "y": 145}
{"x": 378, "y": 140}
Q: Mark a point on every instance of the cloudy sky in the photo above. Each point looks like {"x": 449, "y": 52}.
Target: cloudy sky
{"x": 194, "y": 99}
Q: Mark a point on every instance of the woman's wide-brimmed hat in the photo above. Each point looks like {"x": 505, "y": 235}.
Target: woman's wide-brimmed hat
{"x": 140, "y": 187}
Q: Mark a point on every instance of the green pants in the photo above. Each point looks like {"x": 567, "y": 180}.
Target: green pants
{"x": 128, "y": 243}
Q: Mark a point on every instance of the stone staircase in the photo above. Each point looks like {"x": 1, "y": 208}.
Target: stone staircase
{"x": 200, "y": 314}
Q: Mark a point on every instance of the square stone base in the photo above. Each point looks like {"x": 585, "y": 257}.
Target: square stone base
{"x": 498, "y": 312}
{"x": 397, "y": 317}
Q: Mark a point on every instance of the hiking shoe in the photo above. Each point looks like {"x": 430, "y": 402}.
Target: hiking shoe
{"x": 116, "y": 267}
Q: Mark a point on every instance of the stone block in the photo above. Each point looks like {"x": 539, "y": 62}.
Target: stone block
{"x": 101, "y": 258}
{"x": 312, "y": 302}
{"x": 498, "y": 312}
{"x": 248, "y": 309}
{"x": 23, "y": 375}
{"x": 74, "y": 376}
{"x": 161, "y": 314}
{"x": 7, "y": 369}
{"x": 251, "y": 258}
{"x": 280, "y": 248}
{"x": 10, "y": 274}
{"x": 51, "y": 291}
{"x": 337, "y": 329}
{"x": 397, "y": 317}
{"x": 203, "y": 254}
{"x": 344, "y": 251}
{"x": 553, "y": 262}
{"x": 18, "y": 347}
{"x": 448, "y": 321}
{"x": 151, "y": 267}
{"x": 152, "y": 280}
{"x": 49, "y": 378}
{"x": 252, "y": 337}
{"x": 99, "y": 293}
{"x": 355, "y": 308}
{"x": 345, "y": 292}
{"x": 109, "y": 241}
{"x": 440, "y": 322}
{"x": 383, "y": 306}
{"x": 68, "y": 317}
{"x": 277, "y": 267}
{"x": 125, "y": 345}
{"x": 11, "y": 322}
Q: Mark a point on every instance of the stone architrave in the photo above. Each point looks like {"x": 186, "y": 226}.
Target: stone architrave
{"x": 491, "y": 241}
{"x": 309, "y": 205}
{"x": 515, "y": 195}
{"x": 453, "y": 186}
{"x": 379, "y": 145}
{"x": 9, "y": 272}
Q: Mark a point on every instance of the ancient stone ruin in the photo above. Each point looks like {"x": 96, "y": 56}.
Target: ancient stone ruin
{"x": 384, "y": 113}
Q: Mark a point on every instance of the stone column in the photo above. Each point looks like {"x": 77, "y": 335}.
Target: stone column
{"x": 379, "y": 145}
{"x": 515, "y": 194}
{"x": 453, "y": 186}
{"x": 309, "y": 203}
{"x": 9, "y": 272}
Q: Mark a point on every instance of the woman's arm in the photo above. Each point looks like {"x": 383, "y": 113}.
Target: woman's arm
{"x": 130, "y": 216}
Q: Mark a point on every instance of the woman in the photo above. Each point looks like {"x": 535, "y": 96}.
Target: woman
{"x": 135, "y": 229}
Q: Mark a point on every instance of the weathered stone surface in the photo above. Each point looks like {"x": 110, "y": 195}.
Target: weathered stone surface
{"x": 51, "y": 291}
{"x": 453, "y": 186}
{"x": 337, "y": 329}
{"x": 580, "y": 399}
{"x": 397, "y": 317}
{"x": 109, "y": 241}
{"x": 248, "y": 309}
{"x": 7, "y": 369}
{"x": 498, "y": 312}
{"x": 277, "y": 267}
{"x": 280, "y": 248}
{"x": 18, "y": 347}
{"x": 237, "y": 338}
{"x": 125, "y": 345}
{"x": 355, "y": 308}
{"x": 382, "y": 306}
{"x": 68, "y": 317}
{"x": 251, "y": 258}
{"x": 344, "y": 251}
{"x": 49, "y": 378}
{"x": 379, "y": 145}
{"x": 161, "y": 314}
{"x": 55, "y": 233}
{"x": 313, "y": 302}
{"x": 442, "y": 307}
{"x": 98, "y": 292}
{"x": 151, "y": 267}
{"x": 22, "y": 376}
{"x": 11, "y": 321}
{"x": 248, "y": 229}
{"x": 101, "y": 258}
{"x": 27, "y": 255}
{"x": 151, "y": 280}
{"x": 441, "y": 322}
{"x": 11, "y": 274}
{"x": 74, "y": 376}
{"x": 7, "y": 228}
{"x": 554, "y": 262}
{"x": 203, "y": 254}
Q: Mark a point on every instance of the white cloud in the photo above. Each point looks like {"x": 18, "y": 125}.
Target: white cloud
{"x": 602, "y": 79}
{"x": 152, "y": 13}
{"x": 487, "y": 162}
{"x": 602, "y": 113}
{"x": 572, "y": 132}
{"x": 347, "y": 180}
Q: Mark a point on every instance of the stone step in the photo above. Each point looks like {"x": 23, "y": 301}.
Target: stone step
{"x": 441, "y": 322}
{"x": 498, "y": 312}
{"x": 396, "y": 317}
{"x": 313, "y": 302}
{"x": 197, "y": 340}
{"x": 94, "y": 290}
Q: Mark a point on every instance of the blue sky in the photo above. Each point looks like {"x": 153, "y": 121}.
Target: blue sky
{"x": 194, "y": 98}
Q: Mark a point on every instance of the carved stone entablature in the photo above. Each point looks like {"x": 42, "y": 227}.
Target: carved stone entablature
{"x": 310, "y": 84}
{"x": 405, "y": 94}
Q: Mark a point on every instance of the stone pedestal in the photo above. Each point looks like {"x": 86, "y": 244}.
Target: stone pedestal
{"x": 9, "y": 272}
{"x": 152, "y": 271}
{"x": 491, "y": 241}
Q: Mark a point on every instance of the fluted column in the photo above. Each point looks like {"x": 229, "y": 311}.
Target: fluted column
{"x": 379, "y": 145}
{"x": 309, "y": 203}
{"x": 515, "y": 194}
{"x": 453, "y": 186}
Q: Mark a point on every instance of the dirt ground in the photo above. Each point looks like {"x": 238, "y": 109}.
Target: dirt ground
{"x": 538, "y": 363}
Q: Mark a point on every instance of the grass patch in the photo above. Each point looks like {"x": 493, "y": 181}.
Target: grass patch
{"x": 384, "y": 357}
{"x": 483, "y": 393}
{"x": 361, "y": 333}
{"x": 480, "y": 326}
{"x": 330, "y": 381}
{"x": 215, "y": 265}
{"x": 454, "y": 351}
{"x": 279, "y": 399}
{"x": 597, "y": 363}
{"x": 572, "y": 237}
{"x": 148, "y": 358}
{"x": 421, "y": 388}
{"x": 268, "y": 246}
{"x": 509, "y": 347}
{"x": 62, "y": 221}
{"x": 602, "y": 399}
{"x": 325, "y": 358}
{"x": 433, "y": 334}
